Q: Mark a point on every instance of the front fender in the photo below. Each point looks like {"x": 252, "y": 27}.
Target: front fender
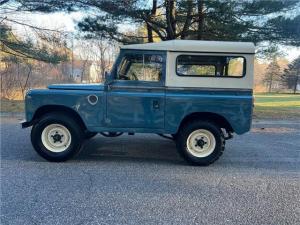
{"x": 76, "y": 100}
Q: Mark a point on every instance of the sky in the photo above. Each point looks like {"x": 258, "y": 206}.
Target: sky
{"x": 67, "y": 22}
{"x": 55, "y": 21}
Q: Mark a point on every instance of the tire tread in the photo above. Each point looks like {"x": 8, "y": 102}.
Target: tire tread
{"x": 192, "y": 159}
{"x": 70, "y": 123}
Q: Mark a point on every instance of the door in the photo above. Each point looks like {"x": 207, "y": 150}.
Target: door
{"x": 136, "y": 98}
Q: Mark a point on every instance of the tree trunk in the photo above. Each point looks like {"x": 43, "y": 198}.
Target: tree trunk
{"x": 200, "y": 19}
{"x": 149, "y": 33}
{"x": 83, "y": 77}
{"x": 170, "y": 17}
{"x": 188, "y": 20}
{"x": 152, "y": 15}
{"x": 102, "y": 59}
{"x": 296, "y": 81}
{"x": 26, "y": 81}
{"x": 23, "y": 86}
{"x": 270, "y": 83}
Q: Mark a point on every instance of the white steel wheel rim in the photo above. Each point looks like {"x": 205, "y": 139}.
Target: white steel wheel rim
{"x": 56, "y": 138}
{"x": 201, "y": 143}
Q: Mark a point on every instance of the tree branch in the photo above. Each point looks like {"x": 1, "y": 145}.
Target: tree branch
{"x": 28, "y": 25}
{"x": 187, "y": 20}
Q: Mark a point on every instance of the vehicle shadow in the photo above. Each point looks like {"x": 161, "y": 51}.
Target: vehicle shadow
{"x": 139, "y": 148}
{"x": 154, "y": 149}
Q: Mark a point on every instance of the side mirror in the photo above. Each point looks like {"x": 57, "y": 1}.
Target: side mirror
{"x": 108, "y": 77}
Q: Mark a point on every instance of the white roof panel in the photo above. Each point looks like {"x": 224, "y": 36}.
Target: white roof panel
{"x": 196, "y": 46}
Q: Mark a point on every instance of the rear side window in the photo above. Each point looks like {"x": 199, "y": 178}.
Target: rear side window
{"x": 210, "y": 66}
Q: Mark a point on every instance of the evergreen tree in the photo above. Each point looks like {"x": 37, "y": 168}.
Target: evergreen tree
{"x": 272, "y": 74}
{"x": 11, "y": 45}
{"x": 291, "y": 75}
{"x": 252, "y": 20}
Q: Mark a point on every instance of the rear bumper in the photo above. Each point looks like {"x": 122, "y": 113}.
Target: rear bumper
{"x": 25, "y": 124}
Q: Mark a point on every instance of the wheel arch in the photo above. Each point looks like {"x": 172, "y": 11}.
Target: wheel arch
{"x": 57, "y": 109}
{"x": 207, "y": 116}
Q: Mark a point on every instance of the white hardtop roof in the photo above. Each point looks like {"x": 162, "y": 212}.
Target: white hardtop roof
{"x": 196, "y": 46}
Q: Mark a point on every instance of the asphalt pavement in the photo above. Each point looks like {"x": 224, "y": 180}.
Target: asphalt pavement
{"x": 141, "y": 179}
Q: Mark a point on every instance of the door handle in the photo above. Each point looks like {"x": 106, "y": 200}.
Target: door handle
{"x": 155, "y": 104}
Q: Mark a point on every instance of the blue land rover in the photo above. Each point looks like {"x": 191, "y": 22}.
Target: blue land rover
{"x": 196, "y": 92}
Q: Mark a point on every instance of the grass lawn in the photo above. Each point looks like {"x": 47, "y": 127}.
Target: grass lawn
{"x": 11, "y": 105}
{"x": 277, "y": 106}
{"x": 267, "y": 106}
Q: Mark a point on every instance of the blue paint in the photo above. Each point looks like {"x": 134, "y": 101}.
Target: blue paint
{"x": 136, "y": 109}
{"x": 146, "y": 107}
{"x": 92, "y": 115}
{"x": 91, "y": 87}
{"x": 235, "y": 108}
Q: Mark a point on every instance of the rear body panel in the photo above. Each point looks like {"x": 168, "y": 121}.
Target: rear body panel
{"x": 234, "y": 105}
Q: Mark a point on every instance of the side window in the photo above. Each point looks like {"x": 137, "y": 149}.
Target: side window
{"x": 141, "y": 67}
{"x": 212, "y": 66}
{"x": 236, "y": 66}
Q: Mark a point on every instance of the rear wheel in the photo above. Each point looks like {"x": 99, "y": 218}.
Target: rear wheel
{"x": 56, "y": 137}
{"x": 200, "y": 142}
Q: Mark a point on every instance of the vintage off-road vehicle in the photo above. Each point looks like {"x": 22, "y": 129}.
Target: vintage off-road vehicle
{"x": 196, "y": 92}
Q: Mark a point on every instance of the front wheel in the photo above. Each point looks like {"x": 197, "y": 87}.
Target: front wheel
{"x": 200, "y": 142}
{"x": 57, "y": 137}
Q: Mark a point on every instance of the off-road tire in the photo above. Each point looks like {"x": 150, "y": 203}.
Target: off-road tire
{"x": 187, "y": 129}
{"x": 77, "y": 137}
